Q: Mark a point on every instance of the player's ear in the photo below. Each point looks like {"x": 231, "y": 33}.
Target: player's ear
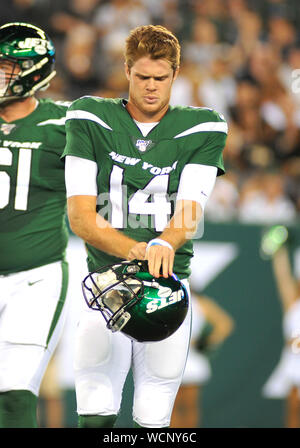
{"x": 127, "y": 71}
{"x": 175, "y": 74}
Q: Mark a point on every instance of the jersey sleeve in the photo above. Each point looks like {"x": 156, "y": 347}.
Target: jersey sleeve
{"x": 78, "y": 141}
{"x": 204, "y": 142}
{"x": 212, "y": 152}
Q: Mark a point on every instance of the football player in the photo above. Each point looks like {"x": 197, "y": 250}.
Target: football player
{"x": 33, "y": 272}
{"x": 138, "y": 175}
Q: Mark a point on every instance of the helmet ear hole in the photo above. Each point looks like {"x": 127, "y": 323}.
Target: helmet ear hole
{"x": 27, "y": 64}
{"x": 17, "y": 89}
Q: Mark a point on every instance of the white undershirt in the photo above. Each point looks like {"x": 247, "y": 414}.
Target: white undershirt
{"x": 196, "y": 181}
{"x": 145, "y": 128}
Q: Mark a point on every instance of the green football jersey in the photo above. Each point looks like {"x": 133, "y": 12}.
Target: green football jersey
{"x": 32, "y": 189}
{"x": 138, "y": 176}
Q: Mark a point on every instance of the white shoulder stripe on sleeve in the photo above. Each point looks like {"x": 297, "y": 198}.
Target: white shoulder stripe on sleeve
{"x": 59, "y": 122}
{"x": 209, "y": 126}
{"x": 84, "y": 115}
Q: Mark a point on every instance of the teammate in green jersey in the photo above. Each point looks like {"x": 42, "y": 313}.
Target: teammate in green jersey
{"x": 138, "y": 175}
{"x": 33, "y": 238}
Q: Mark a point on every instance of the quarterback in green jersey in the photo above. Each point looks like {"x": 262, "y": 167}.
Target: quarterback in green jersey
{"x": 33, "y": 238}
{"x": 138, "y": 175}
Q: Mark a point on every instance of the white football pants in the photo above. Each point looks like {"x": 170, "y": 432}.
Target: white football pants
{"x": 103, "y": 359}
{"x": 32, "y": 312}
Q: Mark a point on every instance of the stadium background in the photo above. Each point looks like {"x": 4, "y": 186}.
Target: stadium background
{"x": 242, "y": 58}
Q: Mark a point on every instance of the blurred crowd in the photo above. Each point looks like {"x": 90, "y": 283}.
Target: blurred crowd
{"x": 239, "y": 57}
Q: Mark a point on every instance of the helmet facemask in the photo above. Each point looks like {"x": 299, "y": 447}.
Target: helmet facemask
{"x": 113, "y": 293}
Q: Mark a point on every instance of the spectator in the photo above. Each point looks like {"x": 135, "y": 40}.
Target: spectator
{"x": 224, "y": 199}
{"x": 284, "y": 381}
{"x": 263, "y": 200}
{"x": 113, "y": 21}
{"x": 218, "y": 88}
{"x": 185, "y": 88}
{"x": 204, "y": 45}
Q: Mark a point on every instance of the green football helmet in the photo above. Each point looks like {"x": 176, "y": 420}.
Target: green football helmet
{"x": 144, "y": 308}
{"x": 29, "y": 48}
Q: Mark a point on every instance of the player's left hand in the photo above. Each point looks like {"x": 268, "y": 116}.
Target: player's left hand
{"x": 160, "y": 260}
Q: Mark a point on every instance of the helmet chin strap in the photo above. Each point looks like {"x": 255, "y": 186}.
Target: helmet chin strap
{"x": 8, "y": 100}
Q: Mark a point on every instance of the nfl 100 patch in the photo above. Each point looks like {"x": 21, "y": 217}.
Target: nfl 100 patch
{"x": 143, "y": 145}
{"x": 7, "y": 128}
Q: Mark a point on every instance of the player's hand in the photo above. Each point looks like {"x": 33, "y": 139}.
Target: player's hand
{"x": 137, "y": 252}
{"x": 160, "y": 260}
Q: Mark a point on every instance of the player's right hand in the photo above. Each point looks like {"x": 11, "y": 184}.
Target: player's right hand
{"x": 137, "y": 252}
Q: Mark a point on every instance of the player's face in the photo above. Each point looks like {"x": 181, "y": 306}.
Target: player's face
{"x": 8, "y": 71}
{"x": 150, "y": 83}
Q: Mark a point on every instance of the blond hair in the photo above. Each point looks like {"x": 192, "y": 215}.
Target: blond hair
{"x": 155, "y": 41}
